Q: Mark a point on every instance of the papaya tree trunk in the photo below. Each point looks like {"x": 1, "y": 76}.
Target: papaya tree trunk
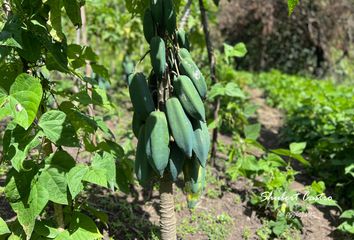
{"x": 167, "y": 210}
{"x": 212, "y": 62}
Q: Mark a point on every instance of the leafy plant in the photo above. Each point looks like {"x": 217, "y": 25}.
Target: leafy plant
{"x": 48, "y": 126}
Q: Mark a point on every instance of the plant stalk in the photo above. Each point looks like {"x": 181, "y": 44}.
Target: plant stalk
{"x": 212, "y": 63}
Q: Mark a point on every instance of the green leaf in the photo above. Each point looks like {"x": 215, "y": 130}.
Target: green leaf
{"x": 291, "y": 5}
{"x": 100, "y": 70}
{"x": 349, "y": 170}
{"x": 58, "y": 129}
{"x": 318, "y": 187}
{"x": 24, "y": 99}
{"x": 106, "y": 161}
{"x": 82, "y": 228}
{"x": 252, "y": 131}
{"x": 4, "y": 229}
{"x": 216, "y": 90}
{"x": 239, "y": 50}
{"x": 74, "y": 178}
{"x": 297, "y": 148}
{"x": 28, "y": 211}
{"x": 348, "y": 214}
{"x": 54, "y": 179}
{"x": 72, "y": 8}
{"x": 232, "y": 90}
{"x": 96, "y": 176}
{"x": 52, "y": 124}
{"x": 38, "y": 198}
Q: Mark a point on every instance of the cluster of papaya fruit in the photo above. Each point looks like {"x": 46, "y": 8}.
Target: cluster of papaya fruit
{"x": 169, "y": 114}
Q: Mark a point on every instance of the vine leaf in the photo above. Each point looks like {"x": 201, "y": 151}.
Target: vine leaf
{"x": 58, "y": 129}
{"x": 83, "y": 227}
{"x": 74, "y": 178}
{"x": 106, "y": 161}
{"x": 55, "y": 180}
{"x": 23, "y": 101}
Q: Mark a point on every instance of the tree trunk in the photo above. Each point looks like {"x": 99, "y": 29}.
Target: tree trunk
{"x": 167, "y": 210}
{"x": 212, "y": 62}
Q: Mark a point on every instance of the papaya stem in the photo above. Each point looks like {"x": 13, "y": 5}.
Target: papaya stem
{"x": 167, "y": 210}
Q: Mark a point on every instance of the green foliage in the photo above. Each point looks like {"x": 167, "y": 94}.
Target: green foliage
{"x": 272, "y": 176}
{"x": 44, "y": 113}
{"x": 320, "y": 113}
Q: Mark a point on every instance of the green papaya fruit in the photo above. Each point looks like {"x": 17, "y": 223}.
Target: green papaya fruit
{"x": 181, "y": 127}
{"x": 189, "y": 68}
{"x": 194, "y": 178}
{"x": 140, "y": 95}
{"x": 148, "y": 25}
{"x": 189, "y": 97}
{"x": 182, "y": 39}
{"x": 138, "y": 121}
{"x": 143, "y": 170}
{"x": 201, "y": 141}
{"x": 157, "y": 11}
{"x": 176, "y": 161}
{"x": 158, "y": 55}
{"x": 169, "y": 15}
{"x": 183, "y": 53}
{"x": 157, "y": 141}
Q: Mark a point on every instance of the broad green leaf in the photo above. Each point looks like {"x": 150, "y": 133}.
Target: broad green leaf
{"x": 4, "y": 229}
{"x": 55, "y": 180}
{"x": 216, "y": 90}
{"x": 291, "y": 5}
{"x": 96, "y": 176}
{"x": 23, "y": 100}
{"x": 232, "y": 90}
{"x": 74, "y": 178}
{"x": 348, "y": 214}
{"x": 297, "y": 148}
{"x": 52, "y": 124}
{"x": 83, "y": 228}
{"x": 72, "y": 8}
{"x": 25, "y": 216}
{"x": 58, "y": 129}
{"x": 38, "y": 198}
{"x": 106, "y": 161}
{"x": 252, "y": 131}
{"x": 347, "y": 226}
